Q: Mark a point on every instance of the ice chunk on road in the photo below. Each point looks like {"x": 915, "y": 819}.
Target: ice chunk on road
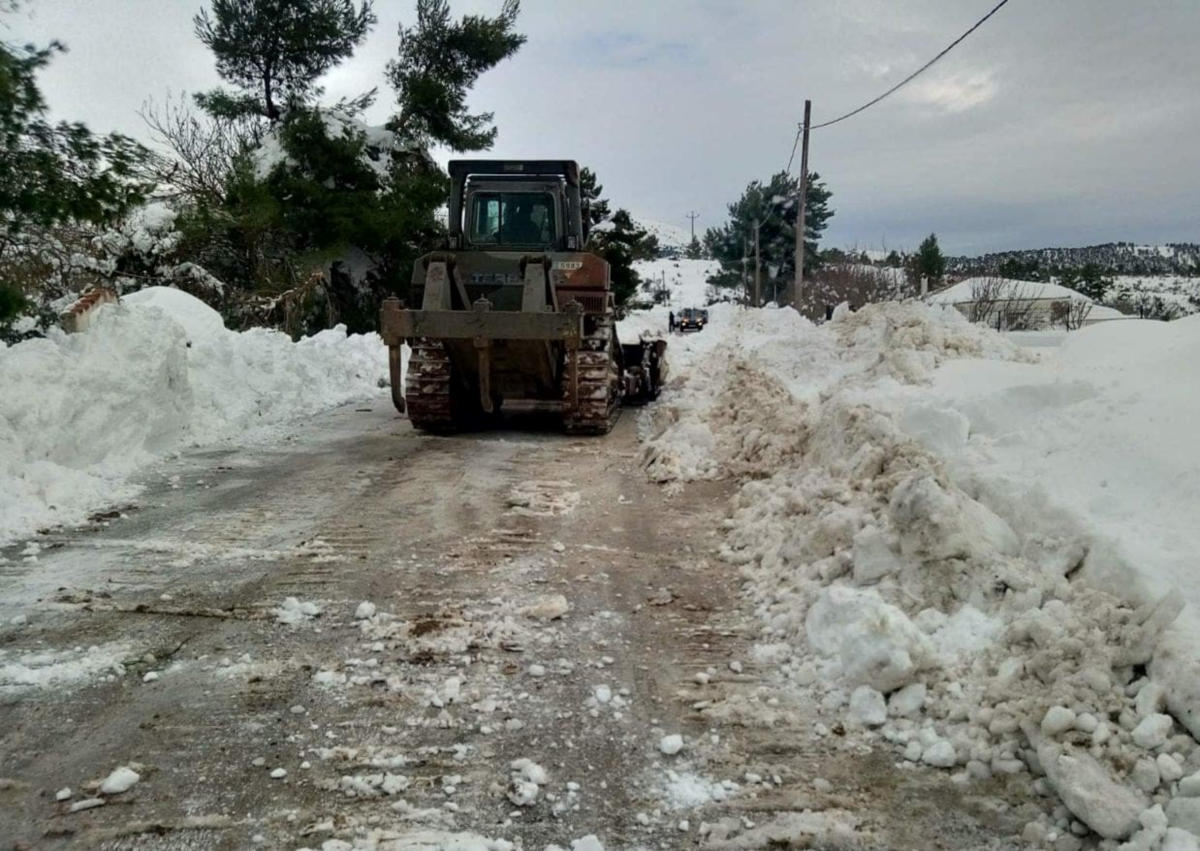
{"x": 364, "y": 611}
{"x": 547, "y": 608}
{"x": 293, "y": 611}
{"x": 120, "y": 780}
{"x": 526, "y": 778}
{"x": 671, "y": 745}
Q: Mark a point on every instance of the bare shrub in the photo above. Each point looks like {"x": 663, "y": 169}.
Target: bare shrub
{"x": 856, "y": 283}
{"x": 985, "y": 295}
{"x": 203, "y": 150}
{"x": 1070, "y": 313}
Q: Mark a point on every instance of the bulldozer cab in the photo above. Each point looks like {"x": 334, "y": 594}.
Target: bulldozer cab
{"x": 515, "y": 205}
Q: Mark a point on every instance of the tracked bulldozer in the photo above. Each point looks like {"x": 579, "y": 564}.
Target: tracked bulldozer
{"x": 512, "y": 315}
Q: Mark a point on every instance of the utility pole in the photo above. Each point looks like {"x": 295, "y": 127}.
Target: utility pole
{"x": 757, "y": 269}
{"x": 693, "y": 216}
{"x": 798, "y": 289}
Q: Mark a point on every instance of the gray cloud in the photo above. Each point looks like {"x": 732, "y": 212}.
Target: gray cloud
{"x": 1062, "y": 122}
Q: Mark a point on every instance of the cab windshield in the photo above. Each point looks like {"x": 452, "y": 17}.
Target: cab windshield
{"x": 512, "y": 218}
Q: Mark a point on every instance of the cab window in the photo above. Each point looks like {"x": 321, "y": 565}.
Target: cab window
{"x": 512, "y": 218}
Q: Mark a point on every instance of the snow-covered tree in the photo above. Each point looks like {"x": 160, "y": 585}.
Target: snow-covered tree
{"x": 51, "y": 174}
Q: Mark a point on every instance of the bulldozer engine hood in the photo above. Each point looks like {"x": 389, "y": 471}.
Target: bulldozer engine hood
{"x": 499, "y": 276}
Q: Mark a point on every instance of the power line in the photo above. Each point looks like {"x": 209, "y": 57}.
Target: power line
{"x": 795, "y": 142}
{"x": 905, "y": 81}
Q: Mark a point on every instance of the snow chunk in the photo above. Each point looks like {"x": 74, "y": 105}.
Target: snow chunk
{"x": 873, "y": 556}
{"x": 1184, "y": 813}
{"x": 120, "y": 780}
{"x": 1152, "y": 731}
{"x": 1058, "y": 719}
{"x": 939, "y": 523}
{"x": 867, "y": 707}
{"x": 940, "y": 754}
{"x": 671, "y": 745}
{"x": 364, "y": 611}
{"x": 547, "y": 608}
{"x": 908, "y": 701}
{"x": 293, "y": 611}
{"x": 875, "y": 642}
{"x": 1178, "y": 839}
{"x": 526, "y": 777}
{"x": 588, "y": 843}
{"x": 1089, "y": 791}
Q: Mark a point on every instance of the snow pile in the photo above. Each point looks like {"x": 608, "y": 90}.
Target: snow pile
{"x": 79, "y": 413}
{"x": 916, "y": 521}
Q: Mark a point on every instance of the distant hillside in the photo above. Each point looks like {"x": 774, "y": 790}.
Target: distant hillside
{"x": 1115, "y": 258}
{"x": 672, "y": 240}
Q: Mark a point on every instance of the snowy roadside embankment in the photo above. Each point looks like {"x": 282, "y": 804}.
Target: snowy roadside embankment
{"x": 965, "y": 550}
{"x": 80, "y": 412}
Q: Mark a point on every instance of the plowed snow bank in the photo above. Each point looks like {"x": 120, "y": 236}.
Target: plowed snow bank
{"x": 80, "y": 412}
{"x": 904, "y": 527}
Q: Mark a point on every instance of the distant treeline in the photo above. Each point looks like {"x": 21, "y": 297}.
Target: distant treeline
{"x": 1113, "y": 258}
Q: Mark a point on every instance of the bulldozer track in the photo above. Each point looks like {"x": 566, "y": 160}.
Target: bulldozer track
{"x": 591, "y": 395}
{"x": 428, "y": 389}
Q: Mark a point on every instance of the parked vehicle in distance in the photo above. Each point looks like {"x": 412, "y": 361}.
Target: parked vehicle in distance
{"x": 691, "y": 319}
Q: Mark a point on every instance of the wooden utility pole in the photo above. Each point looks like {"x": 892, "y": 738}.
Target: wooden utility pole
{"x": 692, "y": 217}
{"x": 757, "y": 269}
{"x": 798, "y": 288}
{"x": 745, "y": 282}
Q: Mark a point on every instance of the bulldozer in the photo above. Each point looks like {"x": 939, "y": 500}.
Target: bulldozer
{"x": 512, "y": 315}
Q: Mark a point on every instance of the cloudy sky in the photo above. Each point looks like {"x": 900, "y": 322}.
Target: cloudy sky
{"x": 1059, "y": 122}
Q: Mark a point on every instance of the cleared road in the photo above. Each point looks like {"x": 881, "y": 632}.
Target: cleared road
{"x": 403, "y": 727}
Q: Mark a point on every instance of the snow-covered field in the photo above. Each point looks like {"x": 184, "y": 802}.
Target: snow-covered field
{"x": 686, "y": 280}
{"x": 971, "y": 551}
{"x": 80, "y": 413}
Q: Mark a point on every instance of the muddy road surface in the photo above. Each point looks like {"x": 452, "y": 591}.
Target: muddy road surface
{"x": 364, "y": 637}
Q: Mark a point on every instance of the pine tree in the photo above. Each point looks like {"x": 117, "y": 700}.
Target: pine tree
{"x": 893, "y": 260}
{"x": 1093, "y": 282}
{"x": 621, "y": 242}
{"x": 594, "y": 208}
{"x": 773, "y": 206}
{"x": 439, "y": 61}
{"x": 929, "y": 259}
{"x": 695, "y": 251}
{"x": 274, "y": 51}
